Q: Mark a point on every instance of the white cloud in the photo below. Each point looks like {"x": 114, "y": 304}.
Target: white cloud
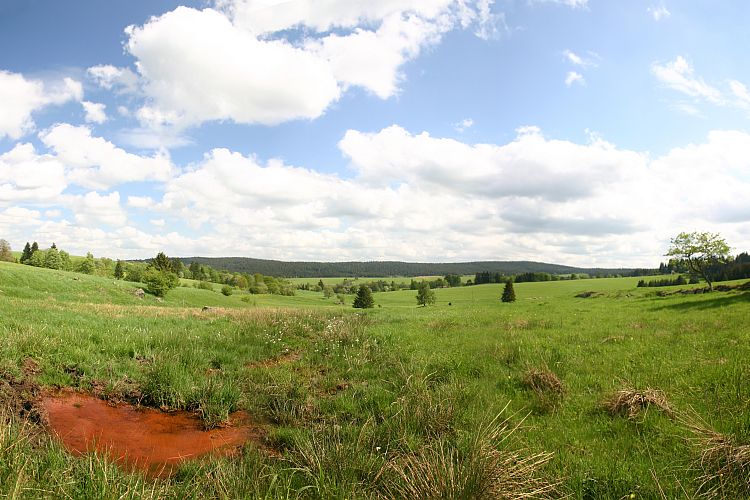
{"x": 199, "y": 67}
{"x": 96, "y": 163}
{"x": 531, "y": 198}
{"x": 94, "y": 112}
{"x": 574, "y": 77}
{"x": 680, "y": 76}
{"x": 22, "y": 97}
{"x": 576, "y": 4}
{"x": 111, "y": 77}
{"x": 741, "y": 93}
{"x": 268, "y": 61}
{"x": 93, "y": 209}
{"x": 268, "y": 16}
{"x": 27, "y": 177}
{"x": 659, "y": 12}
{"x": 463, "y": 125}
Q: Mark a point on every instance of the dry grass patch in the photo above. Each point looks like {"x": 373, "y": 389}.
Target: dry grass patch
{"x": 632, "y": 402}
{"x": 724, "y": 464}
{"x": 544, "y": 382}
{"x": 484, "y": 468}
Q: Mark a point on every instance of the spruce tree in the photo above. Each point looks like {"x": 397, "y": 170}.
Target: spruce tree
{"x": 26, "y": 254}
{"x": 364, "y": 299}
{"x": 34, "y": 248}
{"x": 119, "y": 270}
{"x": 509, "y": 295}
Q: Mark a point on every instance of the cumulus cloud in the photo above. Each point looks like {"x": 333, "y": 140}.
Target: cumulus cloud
{"x": 94, "y": 112}
{"x": 93, "y": 209}
{"x": 28, "y": 177}
{"x": 531, "y": 198}
{"x": 96, "y": 163}
{"x": 22, "y": 97}
{"x": 268, "y": 61}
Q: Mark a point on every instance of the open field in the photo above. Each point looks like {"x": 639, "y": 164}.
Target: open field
{"x": 397, "y": 401}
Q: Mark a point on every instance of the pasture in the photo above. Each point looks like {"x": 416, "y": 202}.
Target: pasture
{"x": 473, "y": 399}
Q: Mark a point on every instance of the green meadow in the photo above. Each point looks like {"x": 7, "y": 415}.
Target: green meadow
{"x": 583, "y": 389}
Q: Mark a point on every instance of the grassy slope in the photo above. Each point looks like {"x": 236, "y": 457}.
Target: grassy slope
{"x": 463, "y": 363}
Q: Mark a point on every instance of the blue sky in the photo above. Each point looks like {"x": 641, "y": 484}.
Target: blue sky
{"x": 579, "y": 132}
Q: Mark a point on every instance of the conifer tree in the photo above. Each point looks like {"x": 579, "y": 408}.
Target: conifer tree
{"x": 119, "y": 270}
{"x": 26, "y": 254}
{"x": 509, "y": 295}
{"x": 364, "y": 299}
{"x": 34, "y": 247}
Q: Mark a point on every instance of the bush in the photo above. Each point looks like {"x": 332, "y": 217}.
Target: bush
{"x": 226, "y": 290}
{"x": 159, "y": 282}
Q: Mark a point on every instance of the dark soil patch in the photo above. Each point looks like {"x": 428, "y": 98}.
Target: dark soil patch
{"x": 21, "y": 395}
{"x": 141, "y": 438}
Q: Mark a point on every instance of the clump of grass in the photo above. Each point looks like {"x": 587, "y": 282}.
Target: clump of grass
{"x": 631, "y": 402}
{"x": 724, "y": 463}
{"x": 547, "y": 387}
{"x": 215, "y": 400}
{"x": 484, "y": 467}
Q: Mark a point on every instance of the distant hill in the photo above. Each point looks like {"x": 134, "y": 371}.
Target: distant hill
{"x": 385, "y": 268}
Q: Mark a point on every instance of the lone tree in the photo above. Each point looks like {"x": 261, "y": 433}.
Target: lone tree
{"x": 364, "y": 299}
{"x": 509, "y": 295}
{"x": 425, "y": 295}
{"x": 699, "y": 251}
{"x": 5, "y": 252}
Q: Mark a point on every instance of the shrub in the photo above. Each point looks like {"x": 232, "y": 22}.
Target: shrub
{"x": 226, "y": 290}
{"x": 159, "y": 282}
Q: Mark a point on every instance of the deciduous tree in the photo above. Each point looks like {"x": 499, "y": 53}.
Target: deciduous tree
{"x": 699, "y": 250}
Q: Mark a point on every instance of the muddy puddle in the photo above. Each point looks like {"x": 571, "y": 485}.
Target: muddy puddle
{"x": 140, "y": 438}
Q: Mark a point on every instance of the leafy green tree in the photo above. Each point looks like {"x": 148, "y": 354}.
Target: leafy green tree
{"x": 509, "y": 295}
{"x": 119, "y": 270}
{"x": 37, "y": 259}
{"x": 699, "y": 250}
{"x": 453, "y": 280}
{"x": 65, "y": 263}
{"x": 6, "y": 254}
{"x": 327, "y": 291}
{"x": 87, "y": 265}
{"x": 425, "y": 295}
{"x": 364, "y": 299}
{"x": 52, "y": 258}
{"x": 159, "y": 282}
{"x": 26, "y": 254}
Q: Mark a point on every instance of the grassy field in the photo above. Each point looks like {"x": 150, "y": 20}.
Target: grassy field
{"x": 623, "y": 394}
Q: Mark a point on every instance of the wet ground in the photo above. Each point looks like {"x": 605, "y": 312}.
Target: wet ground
{"x": 140, "y": 438}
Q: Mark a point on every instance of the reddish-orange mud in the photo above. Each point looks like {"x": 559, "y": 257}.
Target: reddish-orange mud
{"x": 139, "y": 438}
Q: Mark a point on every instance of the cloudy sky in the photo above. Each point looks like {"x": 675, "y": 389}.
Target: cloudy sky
{"x": 581, "y": 132}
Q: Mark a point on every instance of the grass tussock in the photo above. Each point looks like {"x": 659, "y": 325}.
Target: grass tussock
{"x": 632, "y": 402}
{"x": 547, "y": 387}
{"x": 482, "y": 467}
{"x": 723, "y": 464}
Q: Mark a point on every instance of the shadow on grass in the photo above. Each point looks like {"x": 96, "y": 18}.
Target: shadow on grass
{"x": 708, "y": 301}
